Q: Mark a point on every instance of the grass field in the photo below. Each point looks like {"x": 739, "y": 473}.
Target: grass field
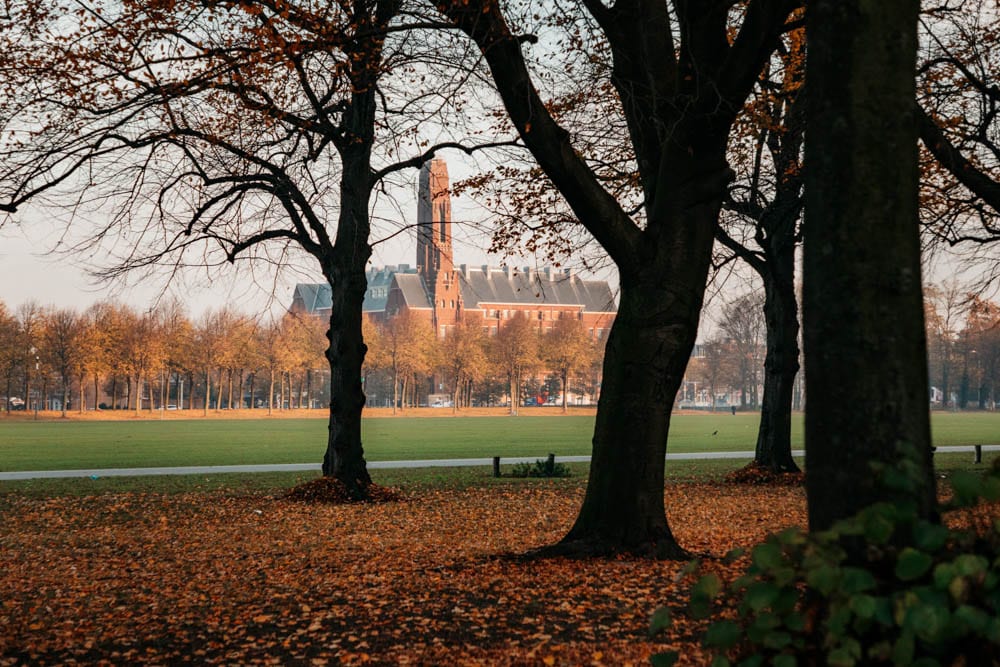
{"x": 47, "y": 445}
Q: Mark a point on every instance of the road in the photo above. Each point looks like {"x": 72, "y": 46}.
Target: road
{"x": 373, "y": 465}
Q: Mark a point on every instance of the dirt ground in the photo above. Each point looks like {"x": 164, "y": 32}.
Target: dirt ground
{"x": 429, "y": 580}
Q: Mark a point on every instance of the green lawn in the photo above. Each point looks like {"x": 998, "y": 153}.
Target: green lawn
{"x": 123, "y": 444}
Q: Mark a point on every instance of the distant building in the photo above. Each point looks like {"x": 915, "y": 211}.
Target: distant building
{"x": 444, "y": 295}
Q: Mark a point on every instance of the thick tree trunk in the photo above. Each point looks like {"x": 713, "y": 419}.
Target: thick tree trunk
{"x": 774, "y": 436}
{"x": 866, "y": 355}
{"x": 644, "y": 361}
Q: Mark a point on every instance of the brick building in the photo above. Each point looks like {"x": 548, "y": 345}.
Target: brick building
{"x": 444, "y": 294}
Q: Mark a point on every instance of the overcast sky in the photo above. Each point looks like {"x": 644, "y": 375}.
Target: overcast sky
{"x": 33, "y": 268}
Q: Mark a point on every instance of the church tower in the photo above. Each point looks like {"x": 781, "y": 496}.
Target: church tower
{"x": 435, "y": 262}
{"x": 434, "y": 253}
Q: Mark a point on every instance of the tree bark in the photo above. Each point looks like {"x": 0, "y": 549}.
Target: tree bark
{"x": 345, "y": 272}
{"x": 644, "y": 363}
{"x": 781, "y": 363}
{"x": 863, "y": 317}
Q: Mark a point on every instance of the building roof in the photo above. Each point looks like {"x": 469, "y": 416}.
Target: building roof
{"x": 489, "y": 285}
{"x": 412, "y": 287}
{"x": 481, "y": 286}
{"x": 314, "y": 297}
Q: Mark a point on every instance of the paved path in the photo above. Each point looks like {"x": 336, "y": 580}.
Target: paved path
{"x": 375, "y": 465}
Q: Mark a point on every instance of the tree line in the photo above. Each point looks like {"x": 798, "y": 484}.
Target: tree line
{"x": 963, "y": 353}
{"x": 113, "y": 356}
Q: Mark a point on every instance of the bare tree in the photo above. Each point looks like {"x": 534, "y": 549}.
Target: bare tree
{"x": 232, "y": 132}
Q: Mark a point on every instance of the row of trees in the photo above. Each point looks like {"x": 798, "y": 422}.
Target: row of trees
{"x": 118, "y": 357}
{"x": 115, "y": 355}
{"x": 963, "y": 356}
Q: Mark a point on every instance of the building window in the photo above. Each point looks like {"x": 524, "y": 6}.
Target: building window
{"x": 452, "y": 303}
{"x": 493, "y": 331}
{"x": 541, "y": 315}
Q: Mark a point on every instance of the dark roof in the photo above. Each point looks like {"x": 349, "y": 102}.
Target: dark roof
{"x": 412, "y": 287}
{"x": 313, "y": 297}
{"x": 489, "y": 285}
{"x": 480, "y": 286}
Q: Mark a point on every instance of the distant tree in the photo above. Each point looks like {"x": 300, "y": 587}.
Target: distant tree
{"x": 566, "y": 349}
{"x": 515, "y": 351}
{"x": 62, "y": 329}
{"x": 944, "y": 312}
{"x": 29, "y": 323}
{"x": 743, "y": 324}
{"x": 982, "y": 331}
{"x": 865, "y": 349}
{"x": 716, "y": 368}
{"x": 8, "y": 351}
{"x": 408, "y": 344}
{"x": 464, "y": 357}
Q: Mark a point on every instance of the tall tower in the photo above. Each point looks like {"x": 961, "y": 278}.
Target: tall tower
{"x": 434, "y": 254}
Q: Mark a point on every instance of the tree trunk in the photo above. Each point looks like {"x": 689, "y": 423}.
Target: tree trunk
{"x": 208, "y": 391}
{"x": 863, "y": 317}
{"x": 774, "y": 436}
{"x": 270, "y": 394}
{"x": 564, "y": 376}
{"x": 345, "y": 272}
{"x": 65, "y": 395}
{"x": 644, "y": 361}
{"x": 395, "y": 388}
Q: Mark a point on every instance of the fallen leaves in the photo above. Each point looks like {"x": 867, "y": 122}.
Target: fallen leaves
{"x": 753, "y": 473}
{"x": 332, "y": 491}
{"x": 215, "y": 578}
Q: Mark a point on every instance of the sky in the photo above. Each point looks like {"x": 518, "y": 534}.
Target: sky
{"x": 32, "y": 266}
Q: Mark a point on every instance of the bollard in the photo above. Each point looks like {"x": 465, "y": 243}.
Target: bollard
{"x": 550, "y": 465}
{"x": 979, "y": 454}
{"x": 496, "y": 466}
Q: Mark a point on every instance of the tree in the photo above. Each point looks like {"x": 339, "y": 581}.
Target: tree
{"x": 945, "y": 310}
{"x": 958, "y": 103}
{"x": 515, "y": 352}
{"x": 61, "y": 333}
{"x": 8, "y": 351}
{"x": 682, "y": 74}
{"x": 239, "y": 120}
{"x": 762, "y": 227}
{"x": 743, "y": 324}
{"x": 408, "y": 342}
{"x": 982, "y": 330}
{"x": 865, "y": 350}
{"x": 464, "y": 357}
{"x": 565, "y": 349}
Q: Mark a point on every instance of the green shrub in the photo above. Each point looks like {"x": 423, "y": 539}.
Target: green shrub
{"x": 933, "y": 601}
{"x": 540, "y": 468}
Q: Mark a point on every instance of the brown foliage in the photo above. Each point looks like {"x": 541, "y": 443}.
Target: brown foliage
{"x": 248, "y": 579}
{"x": 327, "y": 490}
{"x": 758, "y": 475}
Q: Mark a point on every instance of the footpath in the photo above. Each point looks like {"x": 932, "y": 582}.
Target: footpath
{"x": 377, "y": 465}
